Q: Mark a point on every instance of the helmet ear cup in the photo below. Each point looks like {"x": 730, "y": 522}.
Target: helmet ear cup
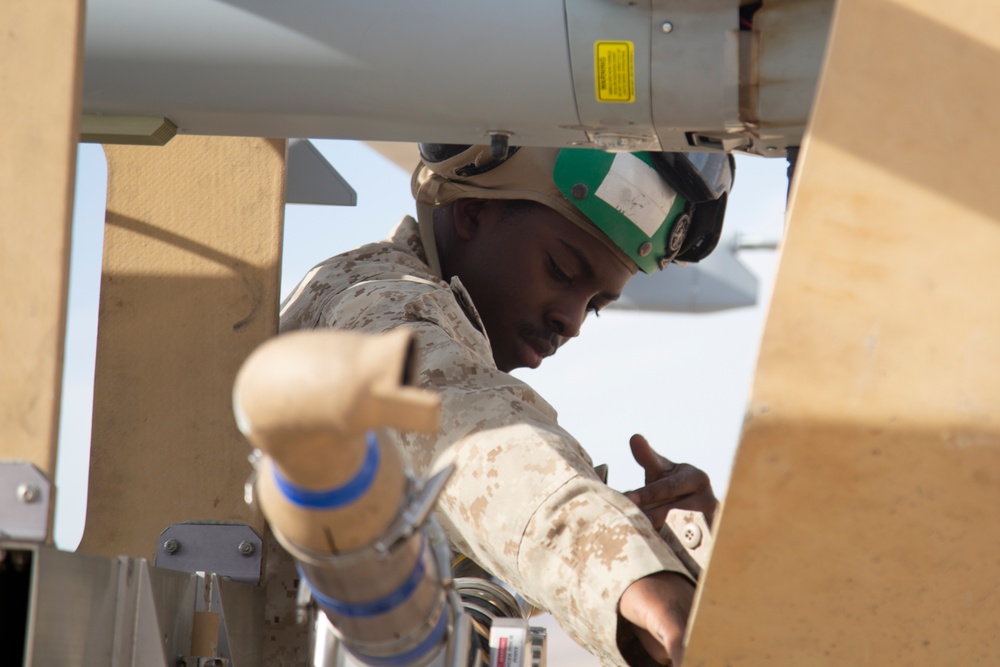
{"x": 705, "y": 231}
{"x": 707, "y": 190}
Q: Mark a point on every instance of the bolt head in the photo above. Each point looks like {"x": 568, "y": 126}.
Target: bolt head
{"x": 246, "y": 548}
{"x": 171, "y": 546}
{"x": 667, "y": 27}
{"x": 28, "y": 493}
{"x": 579, "y": 191}
{"x": 499, "y": 144}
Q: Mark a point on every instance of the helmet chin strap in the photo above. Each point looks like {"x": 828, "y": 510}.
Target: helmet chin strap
{"x": 425, "y": 224}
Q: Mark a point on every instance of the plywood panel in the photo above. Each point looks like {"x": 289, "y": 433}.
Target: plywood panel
{"x": 40, "y": 46}
{"x": 189, "y": 288}
{"x": 860, "y": 526}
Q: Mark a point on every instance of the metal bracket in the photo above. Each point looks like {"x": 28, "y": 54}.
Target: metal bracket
{"x": 231, "y": 550}
{"x": 313, "y": 180}
{"x": 133, "y": 130}
{"x": 25, "y": 494}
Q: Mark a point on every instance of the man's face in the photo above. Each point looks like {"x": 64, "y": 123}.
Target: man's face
{"x": 533, "y": 276}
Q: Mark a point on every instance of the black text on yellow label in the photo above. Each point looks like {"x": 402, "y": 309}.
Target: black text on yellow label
{"x": 614, "y": 71}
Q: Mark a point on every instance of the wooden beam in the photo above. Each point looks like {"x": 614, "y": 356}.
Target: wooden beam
{"x": 189, "y": 288}
{"x": 40, "y": 48}
{"x": 860, "y": 524}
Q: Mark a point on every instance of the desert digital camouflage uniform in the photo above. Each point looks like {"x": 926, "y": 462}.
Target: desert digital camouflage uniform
{"x": 524, "y": 500}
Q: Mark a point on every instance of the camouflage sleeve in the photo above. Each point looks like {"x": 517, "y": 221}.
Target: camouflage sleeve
{"x": 524, "y": 501}
{"x": 526, "y": 504}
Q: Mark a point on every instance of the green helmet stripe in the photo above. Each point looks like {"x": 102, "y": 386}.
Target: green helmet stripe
{"x": 624, "y": 197}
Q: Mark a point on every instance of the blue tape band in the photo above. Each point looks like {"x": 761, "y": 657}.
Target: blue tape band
{"x": 375, "y": 607}
{"x": 432, "y": 641}
{"x": 338, "y": 496}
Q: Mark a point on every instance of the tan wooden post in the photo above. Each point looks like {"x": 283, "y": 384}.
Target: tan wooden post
{"x": 860, "y": 526}
{"x": 189, "y": 288}
{"x": 40, "y": 47}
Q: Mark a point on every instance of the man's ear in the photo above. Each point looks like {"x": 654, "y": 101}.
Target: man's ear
{"x": 466, "y": 216}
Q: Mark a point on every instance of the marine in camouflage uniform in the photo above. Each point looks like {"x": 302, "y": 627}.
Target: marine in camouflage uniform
{"x": 524, "y": 501}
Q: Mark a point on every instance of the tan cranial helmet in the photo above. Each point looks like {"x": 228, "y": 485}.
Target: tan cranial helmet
{"x": 648, "y": 208}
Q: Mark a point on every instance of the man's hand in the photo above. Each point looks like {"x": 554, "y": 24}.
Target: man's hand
{"x": 658, "y": 606}
{"x": 669, "y": 486}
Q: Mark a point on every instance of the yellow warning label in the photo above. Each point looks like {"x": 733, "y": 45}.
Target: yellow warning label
{"x": 614, "y": 71}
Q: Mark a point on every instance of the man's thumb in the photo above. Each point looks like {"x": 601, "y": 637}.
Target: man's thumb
{"x": 644, "y": 455}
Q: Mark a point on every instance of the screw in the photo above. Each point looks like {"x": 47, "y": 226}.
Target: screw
{"x": 28, "y": 493}
{"x": 667, "y": 27}
{"x": 645, "y": 249}
{"x": 246, "y": 548}
{"x": 579, "y": 191}
{"x": 171, "y": 546}
{"x": 691, "y": 535}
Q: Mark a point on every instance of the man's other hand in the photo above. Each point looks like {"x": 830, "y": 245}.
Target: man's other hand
{"x": 669, "y": 486}
{"x": 658, "y": 607}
